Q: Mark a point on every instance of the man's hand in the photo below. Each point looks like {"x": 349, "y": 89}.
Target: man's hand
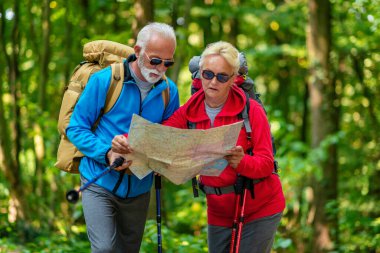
{"x": 125, "y": 166}
{"x": 120, "y": 145}
{"x": 234, "y": 156}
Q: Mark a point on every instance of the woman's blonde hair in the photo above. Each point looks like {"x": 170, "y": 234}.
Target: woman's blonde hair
{"x": 224, "y": 49}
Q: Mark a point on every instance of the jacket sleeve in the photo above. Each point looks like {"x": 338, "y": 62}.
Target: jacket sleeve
{"x": 178, "y": 119}
{"x": 85, "y": 113}
{"x": 260, "y": 164}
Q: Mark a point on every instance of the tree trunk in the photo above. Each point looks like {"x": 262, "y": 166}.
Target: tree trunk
{"x": 323, "y": 124}
{"x": 32, "y": 38}
{"x": 11, "y": 140}
{"x": 39, "y": 144}
{"x": 144, "y": 13}
{"x": 359, "y": 70}
{"x": 5, "y": 140}
{"x": 374, "y": 182}
{"x": 45, "y": 55}
{"x": 234, "y": 23}
{"x": 68, "y": 43}
{"x": 305, "y": 114}
{"x": 116, "y": 23}
{"x": 180, "y": 55}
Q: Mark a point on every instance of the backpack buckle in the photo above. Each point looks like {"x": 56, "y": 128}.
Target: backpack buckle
{"x": 117, "y": 77}
{"x": 275, "y": 167}
{"x": 195, "y": 186}
{"x": 218, "y": 191}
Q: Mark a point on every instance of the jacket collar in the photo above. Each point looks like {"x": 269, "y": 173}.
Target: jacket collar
{"x": 235, "y": 104}
{"x": 127, "y": 72}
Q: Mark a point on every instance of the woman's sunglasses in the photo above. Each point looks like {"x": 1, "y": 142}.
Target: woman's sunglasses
{"x": 209, "y": 75}
{"x": 157, "y": 61}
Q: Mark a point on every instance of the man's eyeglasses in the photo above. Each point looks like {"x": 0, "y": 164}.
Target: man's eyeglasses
{"x": 209, "y": 75}
{"x": 157, "y": 61}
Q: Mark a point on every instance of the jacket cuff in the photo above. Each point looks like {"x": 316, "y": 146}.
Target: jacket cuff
{"x": 106, "y": 157}
{"x": 241, "y": 167}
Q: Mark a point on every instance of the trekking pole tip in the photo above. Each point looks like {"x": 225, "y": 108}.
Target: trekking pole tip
{"x": 72, "y": 196}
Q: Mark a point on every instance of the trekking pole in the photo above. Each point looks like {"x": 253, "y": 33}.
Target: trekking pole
{"x": 241, "y": 217}
{"x": 157, "y": 184}
{"x": 239, "y": 191}
{"x": 72, "y": 196}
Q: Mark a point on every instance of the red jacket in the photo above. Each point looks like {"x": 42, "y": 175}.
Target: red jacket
{"x": 269, "y": 198}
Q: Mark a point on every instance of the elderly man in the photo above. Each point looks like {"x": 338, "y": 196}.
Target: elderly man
{"x": 115, "y": 207}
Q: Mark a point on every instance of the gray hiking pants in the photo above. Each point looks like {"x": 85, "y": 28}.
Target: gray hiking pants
{"x": 114, "y": 224}
{"x": 257, "y": 236}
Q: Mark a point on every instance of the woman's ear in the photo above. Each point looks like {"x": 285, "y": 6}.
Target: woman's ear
{"x": 232, "y": 80}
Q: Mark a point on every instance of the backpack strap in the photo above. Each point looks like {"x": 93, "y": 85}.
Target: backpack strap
{"x": 166, "y": 93}
{"x": 113, "y": 92}
{"x": 115, "y": 86}
{"x": 115, "y": 89}
{"x": 81, "y": 77}
{"x": 87, "y": 69}
{"x": 244, "y": 115}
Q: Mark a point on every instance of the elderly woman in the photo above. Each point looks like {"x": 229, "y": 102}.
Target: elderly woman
{"x": 218, "y": 103}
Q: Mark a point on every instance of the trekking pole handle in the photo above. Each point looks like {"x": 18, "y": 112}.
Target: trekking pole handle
{"x": 240, "y": 184}
{"x": 118, "y": 162}
{"x": 157, "y": 181}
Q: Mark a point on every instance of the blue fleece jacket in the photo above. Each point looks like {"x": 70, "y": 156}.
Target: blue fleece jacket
{"x": 95, "y": 145}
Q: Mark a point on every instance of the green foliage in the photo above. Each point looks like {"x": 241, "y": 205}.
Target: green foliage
{"x": 47, "y": 243}
{"x": 273, "y": 36}
{"x": 184, "y": 227}
{"x": 172, "y": 240}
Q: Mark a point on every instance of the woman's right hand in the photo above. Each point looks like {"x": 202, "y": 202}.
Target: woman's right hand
{"x": 235, "y": 155}
{"x": 120, "y": 145}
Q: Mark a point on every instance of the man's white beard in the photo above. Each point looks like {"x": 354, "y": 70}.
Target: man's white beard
{"x": 146, "y": 71}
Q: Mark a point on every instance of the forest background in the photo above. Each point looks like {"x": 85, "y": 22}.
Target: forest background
{"x": 316, "y": 64}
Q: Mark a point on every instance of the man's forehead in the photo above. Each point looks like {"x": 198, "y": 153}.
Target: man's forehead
{"x": 161, "y": 47}
{"x": 159, "y": 41}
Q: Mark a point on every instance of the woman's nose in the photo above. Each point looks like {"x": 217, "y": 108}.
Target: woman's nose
{"x": 214, "y": 81}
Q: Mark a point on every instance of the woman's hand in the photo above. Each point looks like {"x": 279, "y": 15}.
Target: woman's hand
{"x": 120, "y": 145}
{"x": 234, "y": 156}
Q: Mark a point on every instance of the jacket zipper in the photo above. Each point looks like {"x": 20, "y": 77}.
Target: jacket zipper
{"x": 129, "y": 176}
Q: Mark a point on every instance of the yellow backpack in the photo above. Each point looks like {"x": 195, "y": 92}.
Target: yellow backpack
{"x": 98, "y": 55}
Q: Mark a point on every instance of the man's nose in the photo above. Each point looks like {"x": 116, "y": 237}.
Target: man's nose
{"x": 161, "y": 67}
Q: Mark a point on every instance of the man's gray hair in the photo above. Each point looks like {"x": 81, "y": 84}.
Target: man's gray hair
{"x": 164, "y": 30}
